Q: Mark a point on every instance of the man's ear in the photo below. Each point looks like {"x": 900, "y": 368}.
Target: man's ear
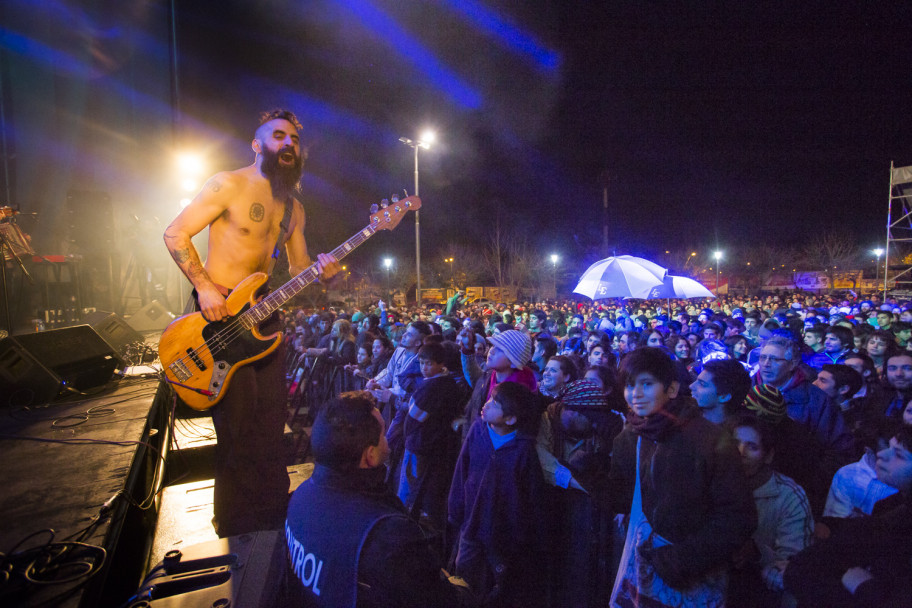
{"x": 510, "y": 420}
{"x": 255, "y": 145}
{"x": 843, "y": 390}
{"x": 370, "y": 457}
{"x": 673, "y": 389}
{"x": 724, "y": 398}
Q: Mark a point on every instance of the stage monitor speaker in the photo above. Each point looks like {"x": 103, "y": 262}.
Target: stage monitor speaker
{"x": 246, "y": 571}
{"x": 151, "y": 317}
{"x": 116, "y": 332}
{"x": 36, "y": 367}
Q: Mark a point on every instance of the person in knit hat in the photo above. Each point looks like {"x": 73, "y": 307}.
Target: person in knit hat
{"x": 574, "y": 448}
{"x": 507, "y": 360}
{"x": 779, "y": 365}
{"x": 766, "y": 403}
{"x": 797, "y": 455}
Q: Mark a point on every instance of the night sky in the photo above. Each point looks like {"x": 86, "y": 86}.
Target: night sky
{"x": 717, "y": 124}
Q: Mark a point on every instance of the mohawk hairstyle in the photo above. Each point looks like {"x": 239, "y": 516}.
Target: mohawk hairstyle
{"x": 280, "y": 113}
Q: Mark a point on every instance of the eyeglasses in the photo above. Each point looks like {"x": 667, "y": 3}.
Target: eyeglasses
{"x": 771, "y": 359}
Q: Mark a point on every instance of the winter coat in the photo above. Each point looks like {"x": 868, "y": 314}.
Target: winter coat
{"x": 694, "y": 494}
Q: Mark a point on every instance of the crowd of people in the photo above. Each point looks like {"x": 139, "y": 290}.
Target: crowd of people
{"x": 745, "y": 451}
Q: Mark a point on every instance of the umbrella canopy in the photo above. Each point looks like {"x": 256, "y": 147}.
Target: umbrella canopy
{"x": 623, "y": 276}
{"x": 679, "y": 287}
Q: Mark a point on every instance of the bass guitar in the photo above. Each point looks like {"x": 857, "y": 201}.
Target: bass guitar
{"x": 200, "y": 357}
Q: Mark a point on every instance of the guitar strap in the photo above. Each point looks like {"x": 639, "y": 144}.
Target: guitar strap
{"x": 283, "y": 229}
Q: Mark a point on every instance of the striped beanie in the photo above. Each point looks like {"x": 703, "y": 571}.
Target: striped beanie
{"x": 581, "y": 395}
{"x": 517, "y": 345}
{"x": 766, "y": 402}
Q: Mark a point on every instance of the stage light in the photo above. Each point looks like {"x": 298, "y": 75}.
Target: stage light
{"x": 190, "y": 164}
{"x": 184, "y": 202}
{"x": 189, "y": 184}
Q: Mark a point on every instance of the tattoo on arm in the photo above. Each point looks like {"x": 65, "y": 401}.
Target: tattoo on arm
{"x": 215, "y": 185}
{"x": 181, "y": 255}
{"x": 257, "y": 212}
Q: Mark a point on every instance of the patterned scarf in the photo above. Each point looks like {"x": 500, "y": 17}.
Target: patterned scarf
{"x": 656, "y": 426}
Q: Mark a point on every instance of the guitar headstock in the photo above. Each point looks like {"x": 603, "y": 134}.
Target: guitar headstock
{"x": 389, "y": 215}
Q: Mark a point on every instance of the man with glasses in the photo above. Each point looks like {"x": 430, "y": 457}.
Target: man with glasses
{"x": 810, "y": 407}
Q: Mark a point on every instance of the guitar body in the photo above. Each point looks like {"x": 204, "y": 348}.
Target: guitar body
{"x": 198, "y": 355}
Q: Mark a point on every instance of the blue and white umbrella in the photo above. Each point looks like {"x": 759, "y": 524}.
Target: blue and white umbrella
{"x": 679, "y": 288}
{"x": 623, "y": 276}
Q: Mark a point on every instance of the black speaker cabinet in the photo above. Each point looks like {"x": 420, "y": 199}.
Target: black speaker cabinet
{"x": 115, "y": 331}
{"x": 151, "y": 317}
{"x": 35, "y": 368}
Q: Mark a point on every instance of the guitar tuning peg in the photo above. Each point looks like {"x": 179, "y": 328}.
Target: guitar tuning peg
{"x": 395, "y": 198}
{"x": 375, "y": 208}
{"x": 385, "y": 203}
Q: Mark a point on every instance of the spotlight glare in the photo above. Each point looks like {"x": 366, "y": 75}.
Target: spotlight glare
{"x": 184, "y": 202}
{"x": 428, "y": 137}
{"x": 190, "y": 164}
{"x": 189, "y": 184}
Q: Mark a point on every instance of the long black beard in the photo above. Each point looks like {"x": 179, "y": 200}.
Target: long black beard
{"x": 284, "y": 180}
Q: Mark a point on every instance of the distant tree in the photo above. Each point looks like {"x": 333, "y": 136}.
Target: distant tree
{"x": 830, "y": 251}
{"x": 760, "y": 262}
{"x": 467, "y": 267}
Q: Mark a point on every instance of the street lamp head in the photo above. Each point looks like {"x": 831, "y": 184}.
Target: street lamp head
{"x": 387, "y": 262}
{"x": 554, "y": 258}
{"x": 878, "y": 252}
{"x": 717, "y": 255}
{"x": 427, "y": 138}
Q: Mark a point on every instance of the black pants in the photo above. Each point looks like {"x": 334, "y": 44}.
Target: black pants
{"x": 251, "y": 479}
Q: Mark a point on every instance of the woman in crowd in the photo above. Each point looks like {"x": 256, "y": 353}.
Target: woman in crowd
{"x": 737, "y": 347}
{"x": 652, "y": 338}
{"x": 606, "y": 378}
{"x": 880, "y": 346}
{"x": 680, "y": 347}
{"x": 559, "y": 371}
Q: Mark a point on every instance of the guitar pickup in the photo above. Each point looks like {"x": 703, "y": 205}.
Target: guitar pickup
{"x": 180, "y": 371}
{"x": 196, "y": 359}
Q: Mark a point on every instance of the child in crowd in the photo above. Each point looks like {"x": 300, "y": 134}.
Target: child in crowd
{"x": 431, "y": 445}
{"x": 785, "y": 525}
{"x": 495, "y": 501}
{"x": 680, "y": 477}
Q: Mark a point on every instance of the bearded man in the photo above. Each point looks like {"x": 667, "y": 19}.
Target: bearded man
{"x": 250, "y": 212}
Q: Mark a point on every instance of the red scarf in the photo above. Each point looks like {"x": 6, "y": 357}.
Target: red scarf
{"x": 523, "y": 376}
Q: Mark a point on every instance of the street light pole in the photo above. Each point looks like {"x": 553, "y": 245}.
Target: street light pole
{"x": 878, "y": 252}
{"x": 554, "y": 259}
{"x": 388, "y": 262}
{"x": 427, "y": 138}
{"x": 718, "y": 256}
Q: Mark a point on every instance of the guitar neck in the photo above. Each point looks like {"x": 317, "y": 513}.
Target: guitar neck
{"x": 271, "y": 303}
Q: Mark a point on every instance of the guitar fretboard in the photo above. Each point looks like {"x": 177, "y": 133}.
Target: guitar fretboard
{"x": 271, "y": 303}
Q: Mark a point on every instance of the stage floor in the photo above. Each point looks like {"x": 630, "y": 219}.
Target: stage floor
{"x": 62, "y": 464}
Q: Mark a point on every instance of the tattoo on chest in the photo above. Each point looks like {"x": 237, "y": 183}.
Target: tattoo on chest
{"x": 257, "y": 212}
{"x": 215, "y": 185}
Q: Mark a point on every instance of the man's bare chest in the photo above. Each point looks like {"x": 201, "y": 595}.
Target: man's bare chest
{"x": 253, "y": 215}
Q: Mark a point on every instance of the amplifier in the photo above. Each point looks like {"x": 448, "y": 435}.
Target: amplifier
{"x": 36, "y": 367}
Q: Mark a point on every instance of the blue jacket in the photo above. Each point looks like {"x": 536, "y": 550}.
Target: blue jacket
{"x": 495, "y": 502}
{"x": 818, "y": 360}
{"x": 813, "y": 409}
